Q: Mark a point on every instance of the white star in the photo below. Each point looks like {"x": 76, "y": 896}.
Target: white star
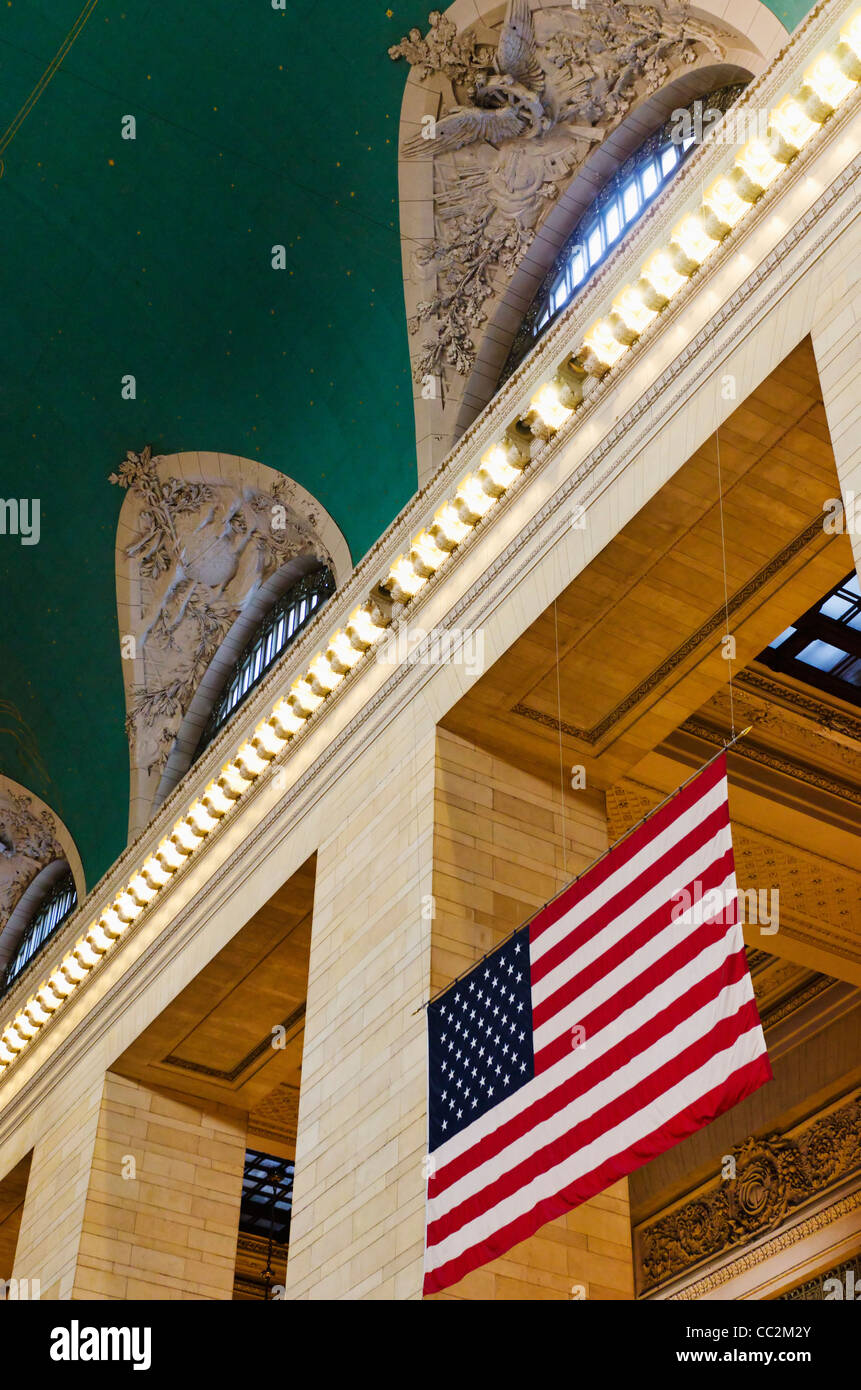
{"x": 494, "y": 982}
{"x": 475, "y": 1103}
{"x": 489, "y": 1092}
{"x": 523, "y": 1066}
{"x": 507, "y": 1079}
{"x": 517, "y": 948}
{"x": 445, "y": 1124}
{"x": 459, "y": 1114}
{"x": 458, "y": 1054}
{"x": 520, "y": 1037}
{"x": 510, "y": 967}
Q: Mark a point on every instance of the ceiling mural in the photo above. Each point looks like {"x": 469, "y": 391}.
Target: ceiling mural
{"x": 204, "y": 540}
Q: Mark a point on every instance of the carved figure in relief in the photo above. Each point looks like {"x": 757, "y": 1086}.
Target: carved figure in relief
{"x": 524, "y": 115}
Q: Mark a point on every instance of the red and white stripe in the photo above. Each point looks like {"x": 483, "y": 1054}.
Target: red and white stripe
{"x": 672, "y": 1037}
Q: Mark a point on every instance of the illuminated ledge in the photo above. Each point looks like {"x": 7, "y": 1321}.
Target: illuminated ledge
{"x": 826, "y": 86}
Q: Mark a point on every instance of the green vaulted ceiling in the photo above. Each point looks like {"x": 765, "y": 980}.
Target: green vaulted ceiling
{"x": 255, "y": 126}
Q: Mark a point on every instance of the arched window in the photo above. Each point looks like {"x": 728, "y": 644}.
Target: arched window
{"x": 620, "y": 204}
{"x": 281, "y": 626}
{"x": 50, "y": 912}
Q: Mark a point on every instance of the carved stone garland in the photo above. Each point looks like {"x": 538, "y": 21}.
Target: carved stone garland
{"x": 774, "y": 1177}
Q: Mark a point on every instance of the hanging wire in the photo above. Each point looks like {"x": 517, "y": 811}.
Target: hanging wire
{"x": 559, "y": 723}
{"x": 725, "y": 581}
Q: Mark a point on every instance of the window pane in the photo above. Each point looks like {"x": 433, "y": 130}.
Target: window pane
{"x": 649, "y": 179}
{"x": 594, "y": 245}
{"x": 631, "y": 200}
{"x": 822, "y": 655}
{"x": 612, "y": 222}
{"x": 669, "y": 159}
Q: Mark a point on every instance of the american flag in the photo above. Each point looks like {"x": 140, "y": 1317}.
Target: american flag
{"x": 617, "y": 1022}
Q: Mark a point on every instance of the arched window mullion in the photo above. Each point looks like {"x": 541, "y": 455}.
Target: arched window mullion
{"x": 281, "y": 625}
{"x": 602, "y": 226}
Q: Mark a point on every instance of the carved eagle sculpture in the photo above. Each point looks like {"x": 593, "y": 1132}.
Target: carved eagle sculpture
{"x": 508, "y": 103}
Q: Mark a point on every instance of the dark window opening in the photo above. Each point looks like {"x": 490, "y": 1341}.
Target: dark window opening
{"x": 49, "y": 916}
{"x": 617, "y": 208}
{"x": 823, "y": 648}
{"x": 287, "y": 617}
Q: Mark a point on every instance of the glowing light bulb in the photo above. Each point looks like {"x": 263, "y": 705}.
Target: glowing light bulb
{"x": 142, "y": 891}
{"x": 215, "y": 800}
{"x": 341, "y": 654}
{"x": 85, "y": 955}
{"x": 98, "y": 939}
{"x": 693, "y": 239}
{"x": 363, "y": 627}
{"x": 249, "y": 761}
{"x": 549, "y": 406}
{"x": 155, "y": 875}
{"x": 267, "y": 742}
{"x": 168, "y": 854}
{"x": 602, "y": 345}
{"x": 126, "y": 907}
{"x": 425, "y": 555}
{"x": 185, "y": 840}
{"x": 112, "y": 923}
{"x": 286, "y": 720}
{"x": 497, "y": 471}
{"x": 826, "y": 84}
{"x": 634, "y": 313}
{"x": 471, "y": 500}
{"x": 789, "y": 129}
{"x": 59, "y": 985}
{"x": 233, "y": 781}
{"x": 73, "y": 970}
{"x": 403, "y": 583}
{"x": 662, "y": 277}
{"x": 303, "y": 697}
{"x": 49, "y": 998}
{"x": 35, "y": 1013}
{"x": 323, "y": 677}
{"x": 448, "y": 530}
{"x": 722, "y": 208}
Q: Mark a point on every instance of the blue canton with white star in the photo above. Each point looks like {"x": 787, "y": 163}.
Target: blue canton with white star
{"x": 480, "y": 1039}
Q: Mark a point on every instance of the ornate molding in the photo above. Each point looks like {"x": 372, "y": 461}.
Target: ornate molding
{"x": 817, "y": 1222}
{"x": 775, "y": 1176}
{"x": 790, "y": 767}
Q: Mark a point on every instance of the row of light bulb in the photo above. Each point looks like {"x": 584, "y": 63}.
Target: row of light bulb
{"x": 327, "y": 669}
{"x": 825, "y": 86}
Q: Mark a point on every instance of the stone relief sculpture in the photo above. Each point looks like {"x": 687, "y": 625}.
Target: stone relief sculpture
{"x": 775, "y": 1176}
{"x": 28, "y": 841}
{"x": 32, "y": 836}
{"x": 518, "y": 118}
{"x": 202, "y": 547}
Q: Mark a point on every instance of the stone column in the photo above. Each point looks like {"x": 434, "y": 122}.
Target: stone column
{"x": 134, "y": 1195}
{"x": 358, "y": 1211}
